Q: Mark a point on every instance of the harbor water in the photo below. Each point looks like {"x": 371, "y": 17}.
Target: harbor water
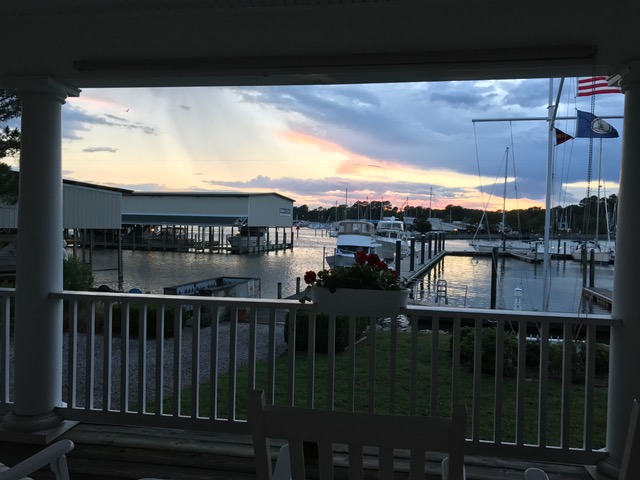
{"x": 468, "y": 278}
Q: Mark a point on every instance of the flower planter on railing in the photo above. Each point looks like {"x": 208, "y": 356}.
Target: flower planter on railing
{"x": 360, "y": 302}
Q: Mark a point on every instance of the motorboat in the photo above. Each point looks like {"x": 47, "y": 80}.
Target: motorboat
{"x": 601, "y": 253}
{"x": 248, "y": 237}
{"x": 388, "y": 233}
{"x": 353, "y": 236}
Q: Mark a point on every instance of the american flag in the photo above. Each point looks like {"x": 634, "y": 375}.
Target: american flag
{"x": 588, "y": 86}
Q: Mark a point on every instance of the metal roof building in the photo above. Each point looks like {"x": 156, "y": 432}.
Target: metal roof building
{"x": 84, "y": 206}
{"x": 208, "y": 209}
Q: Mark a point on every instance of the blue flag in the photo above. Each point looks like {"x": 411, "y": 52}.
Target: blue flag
{"x": 590, "y": 126}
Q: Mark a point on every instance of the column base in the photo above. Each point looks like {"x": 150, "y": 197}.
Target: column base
{"x": 605, "y": 470}
{"x": 37, "y": 429}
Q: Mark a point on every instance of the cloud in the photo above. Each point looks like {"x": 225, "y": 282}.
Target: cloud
{"x": 76, "y": 121}
{"x": 99, "y": 149}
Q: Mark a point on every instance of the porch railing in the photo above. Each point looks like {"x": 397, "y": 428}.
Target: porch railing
{"x": 532, "y": 382}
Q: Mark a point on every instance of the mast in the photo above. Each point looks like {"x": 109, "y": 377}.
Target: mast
{"x": 504, "y": 200}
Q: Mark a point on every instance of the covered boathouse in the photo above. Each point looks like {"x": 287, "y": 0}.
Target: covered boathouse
{"x": 200, "y": 221}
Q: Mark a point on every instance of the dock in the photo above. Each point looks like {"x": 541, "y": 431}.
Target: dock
{"x": 601, "y": 296}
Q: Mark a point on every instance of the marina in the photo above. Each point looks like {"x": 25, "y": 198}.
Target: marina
{"x": 467, "y": 273}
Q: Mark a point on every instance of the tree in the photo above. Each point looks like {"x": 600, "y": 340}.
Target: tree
{"x": 10, "y": 108}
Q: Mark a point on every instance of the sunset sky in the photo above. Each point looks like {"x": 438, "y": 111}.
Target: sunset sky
{"x": 412, "y": 142}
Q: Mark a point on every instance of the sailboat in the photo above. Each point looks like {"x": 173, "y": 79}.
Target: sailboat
{"x": 602, "y": 253}
{"x": 514, "y": 246}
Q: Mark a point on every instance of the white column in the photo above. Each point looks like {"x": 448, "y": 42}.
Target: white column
{"x": 624, "y": 381}
{"x": 38, "y": 318}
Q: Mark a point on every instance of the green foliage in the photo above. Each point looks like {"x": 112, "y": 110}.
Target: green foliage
{"x": 152, "y": 317}
{"x": 322, "y": 331}
{"x": 9, "y": 180}
{"x": 532, "y": 355}
{"x": 488, "y": 365}
{"x": 77, "y": 275}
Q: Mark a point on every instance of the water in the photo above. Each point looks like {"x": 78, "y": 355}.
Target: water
{"x": 468, "y": 278}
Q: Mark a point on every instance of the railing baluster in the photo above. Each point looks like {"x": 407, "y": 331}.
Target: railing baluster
{"x": 543, "y": 385}
{"x": 311, "y": 359}
{"x": 331, "y": 361}
{"x": 498, "y": 382}
{"x": 435, "y": 363}
{"x": 159, "y": 388}
{"x": 413, "y": 370}
{"x": 567, "y": 381}
{"x": 124, "y": 356}
{"x": 589, "y": 386}
{"x": 521, "y": 382}
{"x": 177, "y": 360}
{"x": 351, "y": 366}
{"x": 294, "y": 323}
{"x": 142, "y": 359}
{"x": 72, "y": 355}
{"x": 477, "y": 380}
{"x": 373, "y": 331}
{"x": 271, "y": 354}
{"x": 5, "y": 348}
{"x": 393, "y": 366}
{"x": 213, "y": 382}
{"x": 195, "y": 361}
{"x": 90, "y": 356}
{"x": 233, "y": 360}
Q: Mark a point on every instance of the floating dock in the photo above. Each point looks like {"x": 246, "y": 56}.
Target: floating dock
{"x": 601, "y": 296}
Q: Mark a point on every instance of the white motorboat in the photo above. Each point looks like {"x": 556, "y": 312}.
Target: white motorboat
{"x": 388, "y": 233}
{"x": 601, "y": 253}
{"x": 248, "y": 237}
{"x": 353, "y": 236}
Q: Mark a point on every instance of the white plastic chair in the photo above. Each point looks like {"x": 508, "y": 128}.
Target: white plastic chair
{"x": 415, "y": 434}
{"x": 535, "y": 474}
{"x": 53, "y": 455}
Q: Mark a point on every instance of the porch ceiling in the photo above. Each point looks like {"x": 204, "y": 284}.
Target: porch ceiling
{"x": 99, "y": 43}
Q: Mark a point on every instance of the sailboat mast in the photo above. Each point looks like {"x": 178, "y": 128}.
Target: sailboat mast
{"x": 504, "y": 200}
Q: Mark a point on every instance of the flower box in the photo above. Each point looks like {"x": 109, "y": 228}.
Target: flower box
{"x": 360, "y": 302}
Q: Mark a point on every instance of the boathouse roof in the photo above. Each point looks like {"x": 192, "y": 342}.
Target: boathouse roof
{"x": 208, "y": 209}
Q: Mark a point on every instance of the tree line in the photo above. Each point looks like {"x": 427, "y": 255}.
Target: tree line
{"x": 580, "y": 218}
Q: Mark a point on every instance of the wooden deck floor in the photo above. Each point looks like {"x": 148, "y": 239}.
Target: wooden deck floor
{"x": 105, "y": 452}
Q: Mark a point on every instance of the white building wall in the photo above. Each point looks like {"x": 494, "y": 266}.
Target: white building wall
{"x": 83, "y": 207}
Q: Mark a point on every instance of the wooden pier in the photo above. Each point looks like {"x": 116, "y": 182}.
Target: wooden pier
{"x": 601, "y": 296}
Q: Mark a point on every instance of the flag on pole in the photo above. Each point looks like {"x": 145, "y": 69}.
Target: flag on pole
{"x": 588, "y": 86}
{"x": 562, "y": 137}
{"x": 590, "y": 126}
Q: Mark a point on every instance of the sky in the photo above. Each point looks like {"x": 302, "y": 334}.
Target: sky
{"x": 406, "y": 143}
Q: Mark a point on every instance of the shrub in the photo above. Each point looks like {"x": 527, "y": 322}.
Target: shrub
{"x": 322, "y": 331}
{"x": 134, "y": 316}
{"x": 77, "y": 275}
{"x": 510, "y": 359}
{"x": 488, "y": 364}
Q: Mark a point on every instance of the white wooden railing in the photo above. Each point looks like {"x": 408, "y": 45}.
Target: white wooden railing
{"x": 520, "y": 409}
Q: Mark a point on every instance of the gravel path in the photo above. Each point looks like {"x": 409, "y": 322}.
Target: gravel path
{"x": 222, "y": 348}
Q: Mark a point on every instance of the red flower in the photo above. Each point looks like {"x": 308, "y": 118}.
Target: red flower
{"x": 373, "y": 260}
{"x": 361, "y": 258}
{"x": 310, "y": 277}
{"x": 383, "y": 266}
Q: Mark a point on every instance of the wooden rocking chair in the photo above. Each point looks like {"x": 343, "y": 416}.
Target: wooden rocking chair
{"x": 415, "y": 434}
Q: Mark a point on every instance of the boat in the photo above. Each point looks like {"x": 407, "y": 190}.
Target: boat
{"x": 353, "y": 236}
{"x": 510, "y": 241}
{"x": 248, "y": 237}
{"x": 388, "y": 233}
{"x": 601, "y": 253}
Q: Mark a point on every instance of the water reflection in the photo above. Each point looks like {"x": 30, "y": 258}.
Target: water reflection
{"x": 468, "y": 278}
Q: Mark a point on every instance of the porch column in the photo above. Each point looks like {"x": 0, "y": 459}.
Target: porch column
{"x": 38, "y": 318}
{"x": 624, "y": 382}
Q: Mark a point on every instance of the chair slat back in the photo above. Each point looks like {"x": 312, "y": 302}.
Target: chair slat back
{"x": 415, "y": 434}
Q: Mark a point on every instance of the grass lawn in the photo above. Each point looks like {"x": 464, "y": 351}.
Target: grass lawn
{"x": 402, "y": 388}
